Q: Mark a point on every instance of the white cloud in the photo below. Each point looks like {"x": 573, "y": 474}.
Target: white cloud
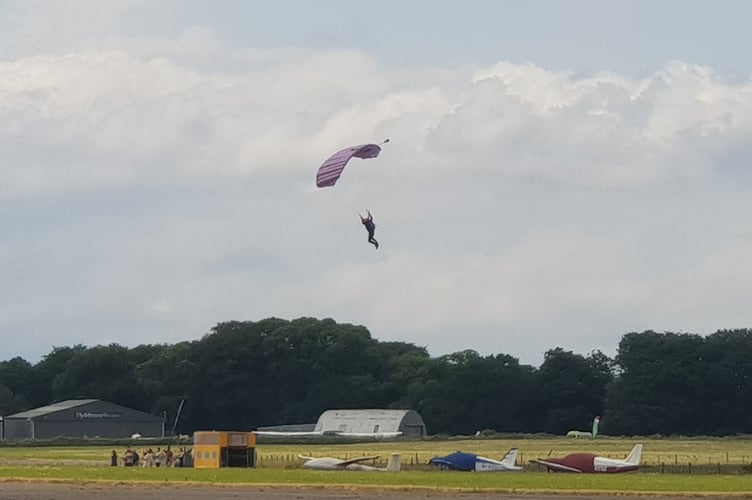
{"x": 113, "y": 114}
{"x": 169, "y": 185}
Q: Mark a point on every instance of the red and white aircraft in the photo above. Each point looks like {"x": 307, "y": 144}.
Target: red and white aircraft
{"x": 589, "y": 462}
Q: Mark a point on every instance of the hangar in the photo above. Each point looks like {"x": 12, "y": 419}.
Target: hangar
{"x": 81, "y": 418}
{"x": 407, "y": 422}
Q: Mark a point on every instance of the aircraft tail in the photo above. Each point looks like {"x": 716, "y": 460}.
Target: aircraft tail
{"x": 394, "y": 463}
{"x": 596, "y": 423}
{"x": 636, "y": 455}
{"x": 510, "y": 459}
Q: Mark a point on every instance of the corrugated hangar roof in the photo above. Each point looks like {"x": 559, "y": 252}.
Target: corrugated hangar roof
{"x": 367, "y": 420}
{"x": 53, "y": 408}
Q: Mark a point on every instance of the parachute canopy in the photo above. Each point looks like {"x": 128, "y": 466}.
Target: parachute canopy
{"x": 332, "y": 168}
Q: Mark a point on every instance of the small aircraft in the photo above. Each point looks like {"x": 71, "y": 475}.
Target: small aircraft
{"x": 472, "y": 462}
{"x": 589, "y": 462}
{"x": 330, "y": 463}
{"x": 592, "y": 433}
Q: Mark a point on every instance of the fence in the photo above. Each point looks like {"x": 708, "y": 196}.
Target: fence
{"x": 420, "y": 461}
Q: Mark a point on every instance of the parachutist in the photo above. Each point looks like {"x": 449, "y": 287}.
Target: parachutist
{"x": 370, "y": 227}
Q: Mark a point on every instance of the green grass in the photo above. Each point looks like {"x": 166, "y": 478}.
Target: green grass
{"x": 656, "y": 451}
{"x": 278, "y": 464}
{"x": 435, "y": 480}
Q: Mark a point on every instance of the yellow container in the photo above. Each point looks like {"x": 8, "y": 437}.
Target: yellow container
{"x": 215, "y": 449}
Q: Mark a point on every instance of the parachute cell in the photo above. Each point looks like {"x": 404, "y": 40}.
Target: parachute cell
{"x": 332, "y": 168}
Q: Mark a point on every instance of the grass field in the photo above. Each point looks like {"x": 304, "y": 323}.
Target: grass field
{"x": 507, "y": 482}
{"x": 278, "y": 464}
{"x": 700, "y": 451}
{"x": 724, "y": 451}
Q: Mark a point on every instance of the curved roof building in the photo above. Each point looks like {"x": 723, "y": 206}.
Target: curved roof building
{"x": 372, "y": 422}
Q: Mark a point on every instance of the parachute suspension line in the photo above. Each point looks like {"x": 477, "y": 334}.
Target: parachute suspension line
{"x": 330, "y": 171}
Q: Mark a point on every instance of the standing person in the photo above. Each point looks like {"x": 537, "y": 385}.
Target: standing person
{"x": 113, "y": 458}
{"x": 148, "y": 460}
{"x": 370, "y": 227}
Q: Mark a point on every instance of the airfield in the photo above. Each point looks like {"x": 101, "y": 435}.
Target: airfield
{"x": 688, "y": 467}
{"x": 67, "y": 491}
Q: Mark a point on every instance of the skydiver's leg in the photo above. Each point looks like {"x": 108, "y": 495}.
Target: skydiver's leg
{"x": 372, "y": 240}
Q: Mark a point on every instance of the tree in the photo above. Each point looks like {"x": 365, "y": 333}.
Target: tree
{"x": 468, "y": 393}
{"x": 14, "y": 377}
{"x": 657, "y": 388}
{"x": 47, "y": 370}
{"x": 105, "y": 372}
{"x": 573, "y": 388}
{"x": 725, "y": 388}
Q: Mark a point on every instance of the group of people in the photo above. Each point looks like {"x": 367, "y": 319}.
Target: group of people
{"x": 149, "y": 458}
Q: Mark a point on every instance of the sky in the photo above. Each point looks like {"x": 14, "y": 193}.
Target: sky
{"x": 558, "y": 173}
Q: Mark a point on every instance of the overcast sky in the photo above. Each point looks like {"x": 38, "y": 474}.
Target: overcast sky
{"x": 559, "y": 173}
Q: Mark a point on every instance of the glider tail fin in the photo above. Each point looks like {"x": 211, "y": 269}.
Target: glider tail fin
{"x": 596, "y": 423}
{"x": 636, "y": 455}
{"x": 394, "y": 463}
{"x": 510, "y": 459}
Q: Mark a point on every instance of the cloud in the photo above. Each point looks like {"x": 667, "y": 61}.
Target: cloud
{"x": 600, "y": 130}
{"x": 152, "y": 188}
{"x": 112, "y": 115}
{"x": 34, "y": 26}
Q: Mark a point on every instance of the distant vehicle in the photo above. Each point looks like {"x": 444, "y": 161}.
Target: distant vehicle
{"x": 329, "y": 463}
{"x": 592, "y": 433}
{"x": 471, "y": 462}
{"x": 589, "y": 462}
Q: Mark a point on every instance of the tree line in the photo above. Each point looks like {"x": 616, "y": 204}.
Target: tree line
{"x": 247, "y": 374}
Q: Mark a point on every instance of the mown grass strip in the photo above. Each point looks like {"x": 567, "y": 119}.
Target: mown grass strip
{"x": 435, "y": 480}
{"x": 669, "y": 451}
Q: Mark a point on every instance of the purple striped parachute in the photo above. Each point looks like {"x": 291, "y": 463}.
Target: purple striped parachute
{"x": 332, "y": 168}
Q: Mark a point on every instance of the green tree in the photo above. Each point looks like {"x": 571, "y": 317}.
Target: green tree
{"x": 47, "y": 370}
{"x": 15, "y": 375}
{"x": 469, "y": 393}
{"x": 107, "y": 373}
{"x": 656, "y": 391}
{"x": 573, "y": 389}
{"x": 165, "y": 379}
{"x": 725, "y": 388}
